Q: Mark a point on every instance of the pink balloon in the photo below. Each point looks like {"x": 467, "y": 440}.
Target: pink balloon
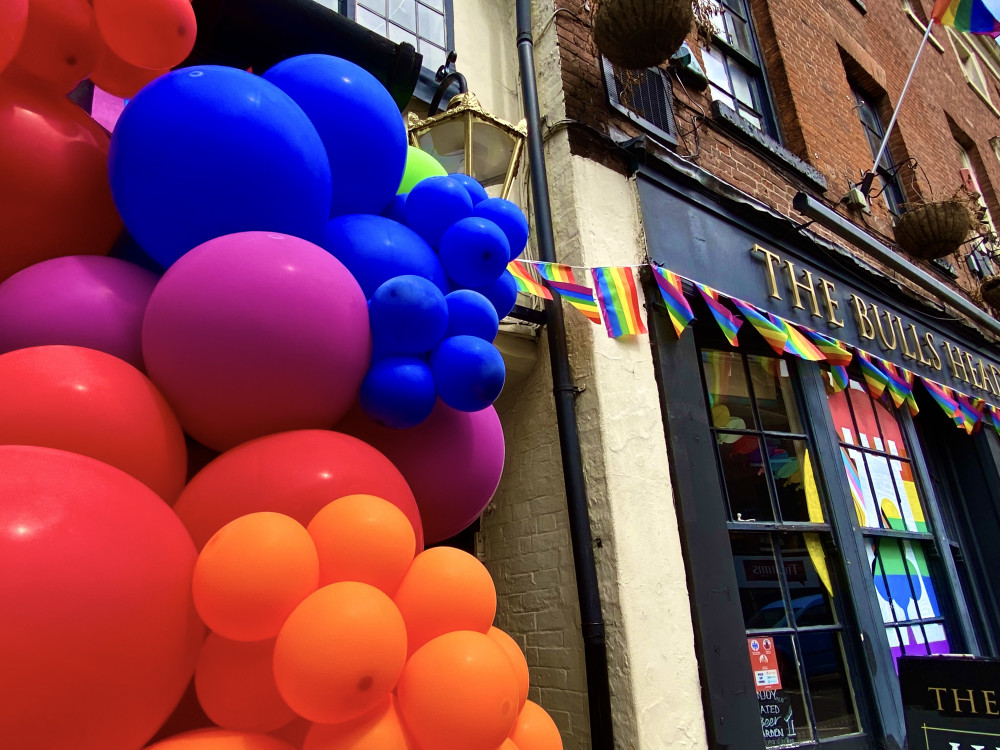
{"x": 13, "y": 21}
{"x": 256, "y": 333}
{"x": 452, "y": 462}
{"x": 80, "y": 300}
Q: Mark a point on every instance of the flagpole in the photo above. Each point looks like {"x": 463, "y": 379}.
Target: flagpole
{"x": 869, "y": 176}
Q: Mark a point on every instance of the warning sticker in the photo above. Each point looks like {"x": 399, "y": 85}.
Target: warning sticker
{"x": 764, "y": 662}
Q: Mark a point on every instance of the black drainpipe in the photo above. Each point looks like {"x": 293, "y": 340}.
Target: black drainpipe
{"x": 592, "y": 621}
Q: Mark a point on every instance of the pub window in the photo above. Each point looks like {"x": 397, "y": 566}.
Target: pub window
{"x": 781, "y": 541}
{"x": 892, "y": 189}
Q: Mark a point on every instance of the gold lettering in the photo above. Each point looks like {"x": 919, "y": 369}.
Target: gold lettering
{"x": 995, "y": 376}
{"x": 976, "y": 382}
{"x": 991, "y": 702}
{"x": 830, "y": 303}
{"x": 935, "y": 360}
{"x": 916, "y": 342}
{"x": 937, "y": 696}
{"x": 988, "y": 384}
{"x": 881, "y": 331}
{"x": 970, "y": 698}
{"x": 903, "y": 344}
{"x": 956, "y": 363}
{"x": 770, "y": 259}
{"x": 806, "y": 286}
{"x": 866, "y": 329}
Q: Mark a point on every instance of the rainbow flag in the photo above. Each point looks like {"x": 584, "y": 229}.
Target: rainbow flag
{"x": 728, "y": 322}
{"x": 994, "y": 415}
{"x": 836, "y": 353}
{"x": 972, "y": 16}
{"x": 839, "y": 377}
{"x": 942, "y": 395}
{"x": 874, "y": 378}
{"x": 525, "y": 283}
{"x": 678, "y": 308}
{"x": 970, "y": 413}
{"x": 619, "y": 300}
{"x": 561, "y": 278}
{"x": 911, "y": 397}
{"x": 773, "y": 335}
{"x": 797, "y": 343}
{"x": 896, "y": 384}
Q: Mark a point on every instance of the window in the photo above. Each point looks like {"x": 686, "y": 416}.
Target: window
{"x": 892, "y": 190}
{"x": 972, "y": 68}
{"x": 981, "y": 247}
{"x": 422, "y": 23}
{"x": 644, "y": 96}
{"x": 734, "y": 66}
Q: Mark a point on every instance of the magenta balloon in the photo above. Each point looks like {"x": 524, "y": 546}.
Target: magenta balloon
{"x": 452, "y": 462}
{"x": 80, "y": 300}
{"x": 256, "y": 333}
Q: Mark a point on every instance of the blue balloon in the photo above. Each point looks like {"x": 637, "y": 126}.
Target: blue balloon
{"x": 476, "y": 191}
{"x": 398, "y": 392}
{"x": 468, "y": 372}
{"x": 375, "y": 249}
{"x": 395, "y": 210}
{"x": 474, "y": 252}
{"x": 408, "y": 315}
{"x": 434, "y": 204}
{"x": 207, "y": 151}
{"x": 471, "y": 314}
{"x": 359, "y": 123}
{"x": 502, "y": 293}
{"x": 510, "y": 218}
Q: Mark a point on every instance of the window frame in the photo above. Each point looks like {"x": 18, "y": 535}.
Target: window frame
{"x": 968, "y": 54}
{"x": 608, "y": 75}
{"x": 889, "y": 174}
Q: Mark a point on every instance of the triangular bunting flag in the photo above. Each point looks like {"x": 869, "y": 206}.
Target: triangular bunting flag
{"x": 875, "y": 380}
{"x": 897, "y": 386}
{"x": 994, "y": 416}
{"x": 942, "y": 395}
{"x": 839, "y": 378}
{"x": 969, "y": 416}
{"x": 678, "y": 308}
{"x": 561, "y": 278}
{"x": 797, "y": 343}
{"x": 911, "y": 397}
{"x": 728, "y": 323}
{"x": 619, "y": 300}
{"x": 773, "y": 335}
{"x": 836, "y": 354}
{"x": 525, "y": 283}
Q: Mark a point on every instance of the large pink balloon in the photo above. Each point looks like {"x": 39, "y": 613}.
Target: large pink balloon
{"x": 256, "y": 333}
{"x": 81, "y": 300}
{"x": 98, "y": 631}
{"x": 452, "y": 462}
{"x": 13, "y": 21}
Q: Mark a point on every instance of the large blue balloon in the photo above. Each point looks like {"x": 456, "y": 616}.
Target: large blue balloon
{"x": 408, "y": 315}
{"x": 476, "y": 191}
{"x": 375, "y": 249}
{"x": 434, "y": 204}
{"x": 510, "y": 218}
{"x": 208, "y": 151}
{"x": 394, "y": 210}
{"x": 471, "y": 314}
{"x": 359, "y": 123}
{"x": 468, "y": 372}
{"x": 502, "y": 293}
{"x": 474, "y": 252}
{"x": 398, "y": 392}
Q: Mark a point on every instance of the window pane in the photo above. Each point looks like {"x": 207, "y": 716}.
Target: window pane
{"x": 751, "y": 118}
{"x": 757, "y": 577}
{"x": 829, "y": 686}
{"x": 783, "y": 715}
{"x": 743, "y": 86}
{"x": 809, "y": 584}
{"x": 791, "y": 468}
{"x": 743, "y": 473}
{"x": 902, "y": 580}
{"x": 434, "y": 56}
{"x": 728, "y": 395}
{"x": 376, "y": 5}
{"x": 404, "y": 13}
{"x": 739, "y": 34}
{"x": 715, "y": 69}
{"x": 398, "y": 35}
{"x": 892, "y": 435}
{"x": 435, "y": 4}
{"x": 369, "y": 20}
{"x": 430, "y": 25}
{"x": 772, "y": 387}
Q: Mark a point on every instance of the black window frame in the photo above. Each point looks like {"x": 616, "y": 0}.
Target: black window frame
{"x": 886, "y": 170}
{"x": 611, "y": 75}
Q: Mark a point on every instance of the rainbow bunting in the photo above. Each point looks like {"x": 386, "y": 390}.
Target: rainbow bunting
{"x": 839, "y": 377}
{"x": 773, "y": 335}
{"x": 874, "y": 378}
{"x": 836, "y": 354}
{"x": 797, "y": 343}
{"x": 561, "y": 278}
{"x": 911, "y": 397}
{"x": 525, "y": 283}
{"x": 728, "y": 322}
{"x": 896, "y": 384}
{"x": 970, "y": 413}
{"x": 678, "y": 308}
{"x": 994, "y": 415}
{"x": 942, "y": 395}
{"x": 619, "y": 300}
{"x": 972, "y": 16}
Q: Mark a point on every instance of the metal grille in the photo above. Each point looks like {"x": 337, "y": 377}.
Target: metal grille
{"x": 644, "y": 96}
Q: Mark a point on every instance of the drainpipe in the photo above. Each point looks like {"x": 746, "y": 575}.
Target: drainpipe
{"x": 592, "y": 621}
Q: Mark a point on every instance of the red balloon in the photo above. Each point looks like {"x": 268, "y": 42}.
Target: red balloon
{"x": 98, "y": 632}
{"x": 13, "y": 21}
{"x": 55, "y": 198}
{"x": 88, "y": 402}
{"x": 220, "y": 739}
{"x": 120, "y": 78}
{"x": 60, "y": 46}
{"x": 155, "y": 34}
{"x": 296, "y": 473}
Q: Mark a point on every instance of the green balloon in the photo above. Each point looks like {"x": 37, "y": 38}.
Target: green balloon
{"x": 419, "y": 165}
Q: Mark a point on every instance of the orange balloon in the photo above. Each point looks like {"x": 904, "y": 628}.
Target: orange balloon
{"x": 508, "y": 744}
{"x": 120, "y": 78}
{"x": 294, "y": 733}
{"x": 252, "y": 574}
{"x": 60, "y": 45}
{"x": 379, "y": 729}
{"x": 88, "y": 402}
{"x": 220, "y": 739}
{"x": 340, "y": 652}
{"x": 235, "y": 685}
{"x": 445, "y": 589}
{"x": 535, "y": 730}
{"x": 363, "y": 538}
{"x": 13, "y": 21}
{"x": 458, "y": 691}
{"x": 517, "y": 661}
{"x": 55, "y": 198}
{"x": 155, "y": 34}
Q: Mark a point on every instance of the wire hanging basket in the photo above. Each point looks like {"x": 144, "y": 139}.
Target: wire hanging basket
{"x": 638, "y": 34}
{"x": 935, "y": 229}
{"x": 989, "y": 290}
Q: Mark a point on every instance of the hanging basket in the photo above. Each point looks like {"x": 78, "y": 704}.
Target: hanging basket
{"x": 989, "y": 290}
{"x": 639, "y": 34}
{"x": 935, "y": 229}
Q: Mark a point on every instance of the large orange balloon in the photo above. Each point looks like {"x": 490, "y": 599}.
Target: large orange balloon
{"x": 296, "y": 473}
{"x": 98, "y": 633}
{"x": 55, "y": 198}
{"x": 458, "y": 691}
{"x": 252, "y": 573}
{"x": 340, "y": 652}
{"x": 379, "y": 729}
{"x": 60, "y": 45}
{"x": 120, "y": 78}
{"x": 445, "y": 589}
{"x": 363, "y": 538}
{"x": 535, "y": 730}
{"x": 508, "y": 744}
{"x": 235, "y": 685}
{"x": 220, "y": 739}
{"x": 517, "y": 661}
{"x": 13, "y": 21}
{"x": 155, "y": 34}
{"x": 88, "y": 402}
